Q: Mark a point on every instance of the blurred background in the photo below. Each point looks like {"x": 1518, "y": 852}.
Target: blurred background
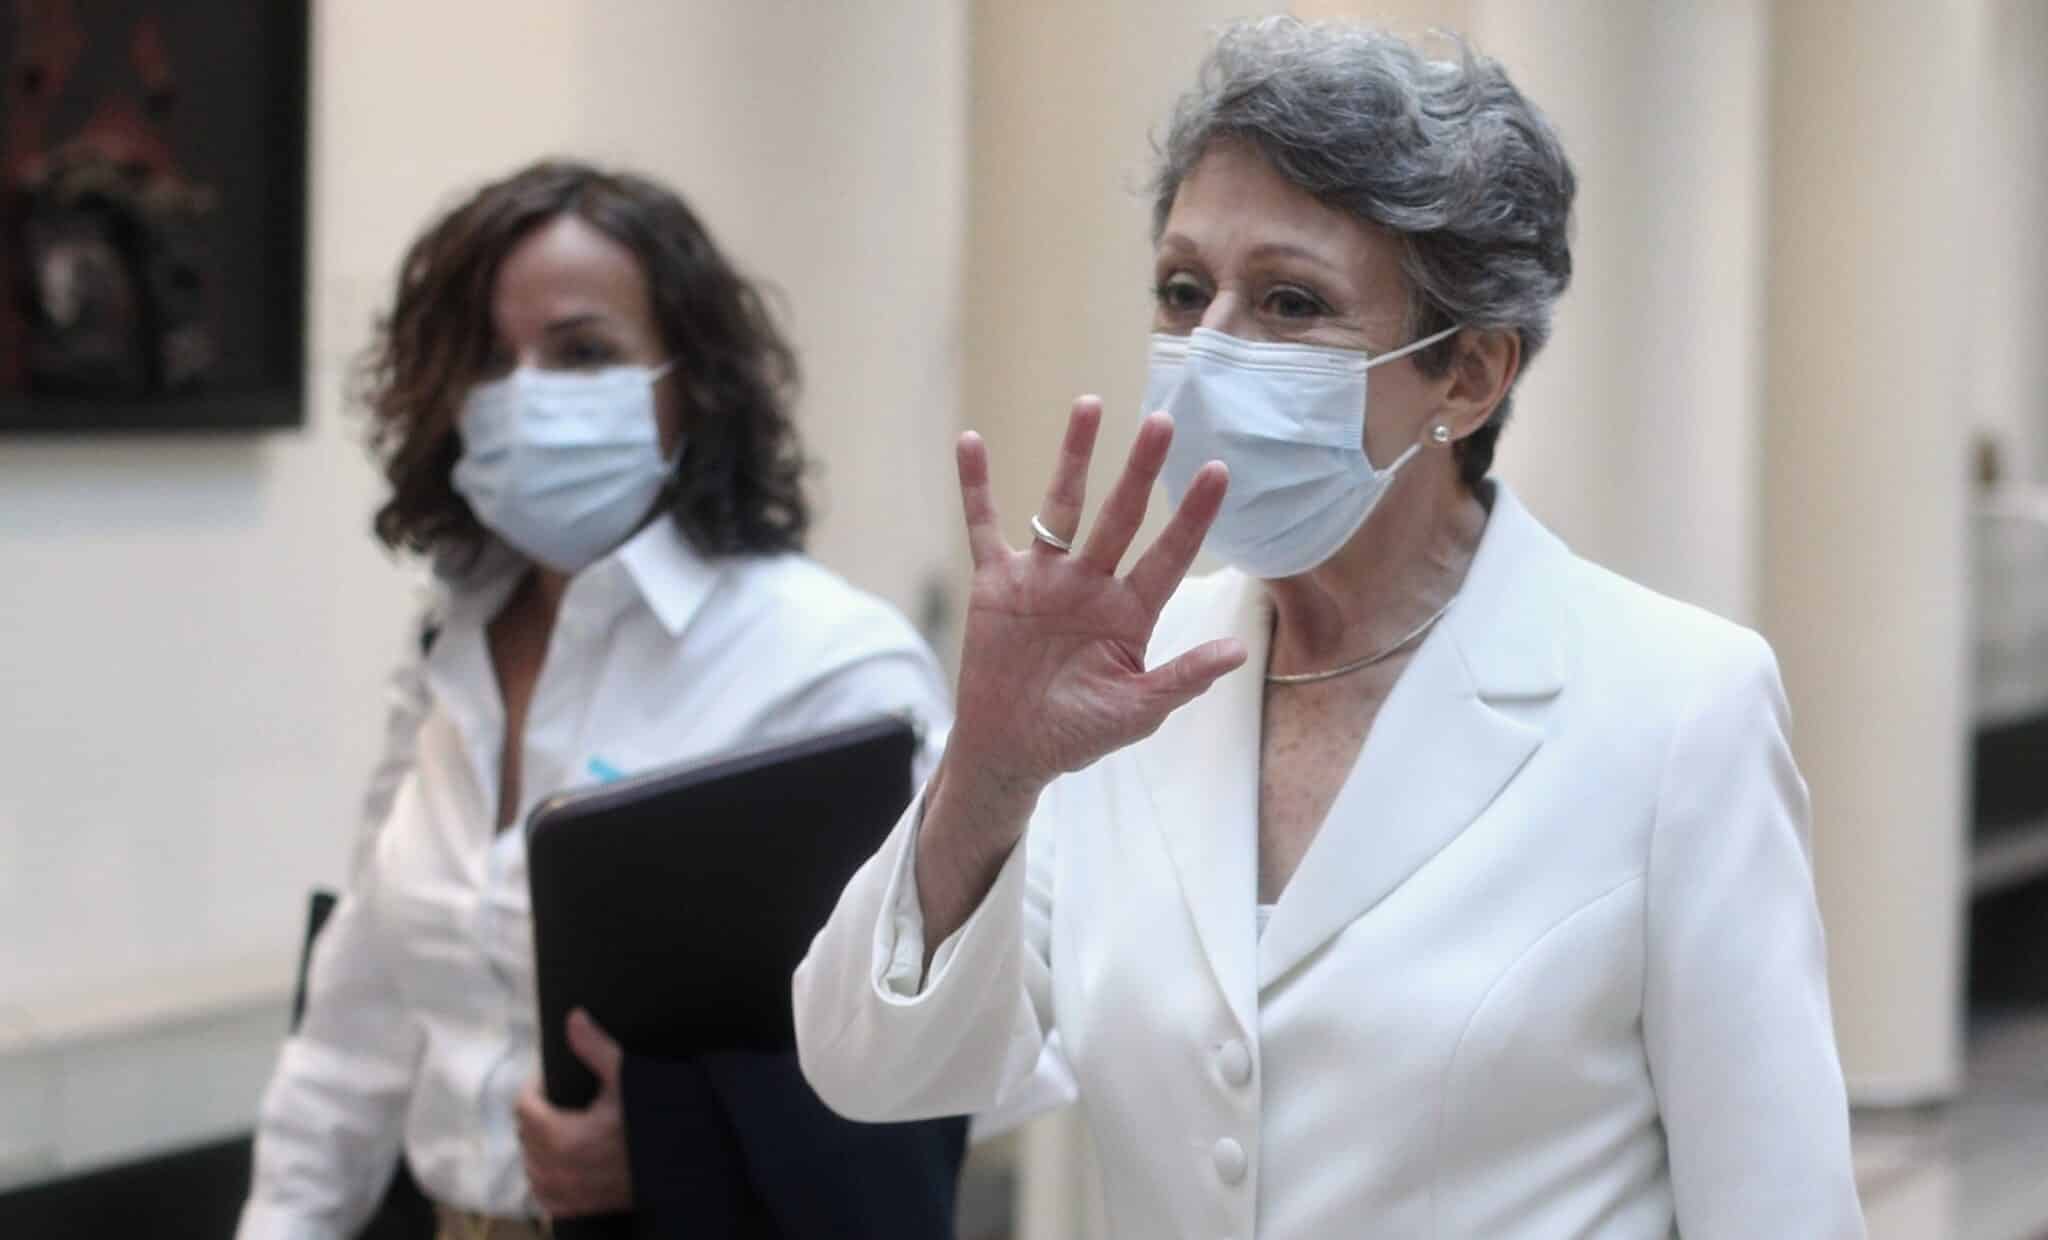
{"x": 1801, "y": 379}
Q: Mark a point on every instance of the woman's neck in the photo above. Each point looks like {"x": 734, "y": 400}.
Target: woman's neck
{"x": 1406, "y": 562}
{"x": 548, "y": 587}
{"x": 534, "y": 602}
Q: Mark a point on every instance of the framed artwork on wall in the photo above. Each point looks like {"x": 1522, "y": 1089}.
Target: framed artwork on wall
{"x": 152, "y": 214}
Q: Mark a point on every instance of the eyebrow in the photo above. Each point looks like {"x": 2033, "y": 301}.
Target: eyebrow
{"x": 1287, "y": 249}
{"x": 567, "y": 322}
{"x": 1264, "y": 250}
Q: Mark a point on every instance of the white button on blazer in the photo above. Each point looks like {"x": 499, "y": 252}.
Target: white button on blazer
{"x": 1552, "y": 966}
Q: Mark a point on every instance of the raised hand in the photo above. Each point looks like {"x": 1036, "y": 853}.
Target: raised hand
{"x": 1052, "y": 670}
{"x": 1052, "y": 673}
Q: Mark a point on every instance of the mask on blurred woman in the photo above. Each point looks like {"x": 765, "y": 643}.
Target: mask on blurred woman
{"x": 563, "y": 465}
{"x": 1289, "y": 421}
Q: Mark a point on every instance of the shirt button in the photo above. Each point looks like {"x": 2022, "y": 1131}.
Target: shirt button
{"x": 1234, "y": 1062}
{"x": 1229, "y": 1161}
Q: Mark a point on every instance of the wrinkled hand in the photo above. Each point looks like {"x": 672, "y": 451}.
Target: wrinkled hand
{"x": 1052, "y": 669}
{"x": 576, "y": 1160}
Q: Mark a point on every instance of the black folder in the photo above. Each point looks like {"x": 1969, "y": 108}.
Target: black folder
{"x": 673, "y": 906}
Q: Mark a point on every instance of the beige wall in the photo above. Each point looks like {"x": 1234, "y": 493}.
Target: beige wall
{"x": 209, "y": 620}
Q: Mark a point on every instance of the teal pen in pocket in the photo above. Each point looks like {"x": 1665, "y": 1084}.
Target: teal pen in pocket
{"x": 604, "y": 772}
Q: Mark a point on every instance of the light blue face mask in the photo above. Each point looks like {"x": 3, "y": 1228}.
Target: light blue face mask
{"x": 1289, "y": 421}
{"x": 563, "y": 465}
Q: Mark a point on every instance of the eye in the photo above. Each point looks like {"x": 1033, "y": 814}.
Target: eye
{"x": 1180, "y": 293}
{"x": 1290, "y": 302}
{"x": 585, "y": 353}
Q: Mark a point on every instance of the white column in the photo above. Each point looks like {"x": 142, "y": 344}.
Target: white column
{"x": 2008, "y": 310}
{"x": 1636, "y": 431}
{"x": 1865, "y": 593}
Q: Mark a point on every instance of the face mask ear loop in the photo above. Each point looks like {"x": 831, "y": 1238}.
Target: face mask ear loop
{"x": 1414, "y": 345}
{"x": 1389, "y": 472}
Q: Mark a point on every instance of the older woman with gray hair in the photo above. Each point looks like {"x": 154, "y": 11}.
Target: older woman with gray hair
{"x": 1411, "y": 876}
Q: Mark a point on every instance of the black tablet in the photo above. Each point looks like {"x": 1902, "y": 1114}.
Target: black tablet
{"x": 675, "y": 905}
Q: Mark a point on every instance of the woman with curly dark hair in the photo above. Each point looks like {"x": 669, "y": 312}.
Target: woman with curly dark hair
{"x": 583, "y": 412}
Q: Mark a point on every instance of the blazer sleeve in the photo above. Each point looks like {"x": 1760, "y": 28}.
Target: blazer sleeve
{"x": 1735, "y": 1009}
{"x": 881, "y": 1042}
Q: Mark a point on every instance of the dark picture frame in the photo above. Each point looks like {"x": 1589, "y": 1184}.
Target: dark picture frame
{"x": 153, "y": 177}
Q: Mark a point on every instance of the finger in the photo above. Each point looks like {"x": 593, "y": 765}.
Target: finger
{"x": 1124, "y": 511}
{"x": 596, "y": 1048}
{"x": 540, "y": 1136}
{"x": 977, "y": 501}
{"x": 1175, "y": 684}
{"x": 555, "y": 1195}
{"x": 543, "y": 1191}
{"x": 531, "y": 1111}
{"x": 1159, "y": 571}
{"x": 1060, "y": 510}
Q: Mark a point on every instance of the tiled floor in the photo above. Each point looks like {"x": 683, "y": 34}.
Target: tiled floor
{"x": 1977, "y": 1168}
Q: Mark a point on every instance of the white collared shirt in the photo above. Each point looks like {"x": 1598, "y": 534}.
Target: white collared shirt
{"x": 420, "y": 1024}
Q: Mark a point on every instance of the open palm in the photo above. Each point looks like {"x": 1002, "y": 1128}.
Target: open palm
{"x": 1052, "y": 673}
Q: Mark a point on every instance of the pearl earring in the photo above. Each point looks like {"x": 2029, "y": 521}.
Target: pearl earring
{"x": 1440, "y": 434}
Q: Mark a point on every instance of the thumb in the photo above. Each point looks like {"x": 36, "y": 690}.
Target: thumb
{"x": 1188, "y": 677}
{"x": 595, "y": 1048}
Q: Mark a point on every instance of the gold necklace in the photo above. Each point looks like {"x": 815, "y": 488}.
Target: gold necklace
{"x": 1306, "y": 678}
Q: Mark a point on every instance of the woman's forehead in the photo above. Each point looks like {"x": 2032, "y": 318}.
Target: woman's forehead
{"x": 568, "y": 268}
{"x": 1234, "y": 203}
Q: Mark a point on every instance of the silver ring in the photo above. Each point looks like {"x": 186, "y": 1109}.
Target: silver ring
{"x": 1047, "y": 537}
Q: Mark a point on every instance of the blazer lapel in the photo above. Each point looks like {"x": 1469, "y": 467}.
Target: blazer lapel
{"x": 1201, "y": 772}
{"x": 1442, "y": 747}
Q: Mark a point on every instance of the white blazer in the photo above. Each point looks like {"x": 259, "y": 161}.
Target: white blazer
{"x": 1551, "y": 968}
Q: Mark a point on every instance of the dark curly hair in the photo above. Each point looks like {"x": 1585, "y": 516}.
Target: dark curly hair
{"x": 739, "y": 487}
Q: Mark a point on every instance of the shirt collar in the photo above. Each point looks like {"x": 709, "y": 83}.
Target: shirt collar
{"x": 669, "y": 575}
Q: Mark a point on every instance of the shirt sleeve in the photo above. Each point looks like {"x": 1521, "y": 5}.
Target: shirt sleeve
{"x": 904, "y": 680}
{"x": 1735, "y": 1011}
{"x": 331, "y": 1122}
{"x": 407, "y": 701}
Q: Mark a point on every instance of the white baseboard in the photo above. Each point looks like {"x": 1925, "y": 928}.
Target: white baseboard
{"x": 1891, "y": 1092}
{"x": 91, "y": 1080}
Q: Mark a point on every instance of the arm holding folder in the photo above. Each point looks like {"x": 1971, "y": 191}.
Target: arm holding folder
{"x": 722, "y": 1135}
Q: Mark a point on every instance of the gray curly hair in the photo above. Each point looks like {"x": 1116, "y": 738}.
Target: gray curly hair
{"x": 1446, "y": 155}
